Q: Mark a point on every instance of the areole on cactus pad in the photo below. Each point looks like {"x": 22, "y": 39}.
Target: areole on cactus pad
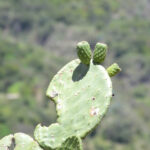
{"x": 82, "y": 92}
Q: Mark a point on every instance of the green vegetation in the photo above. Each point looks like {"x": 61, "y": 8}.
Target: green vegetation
{"x": 23, "y": 86}
{"x": 34, "y": 37}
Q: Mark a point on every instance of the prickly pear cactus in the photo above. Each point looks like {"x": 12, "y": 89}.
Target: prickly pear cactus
{"x": 82, "y": 94}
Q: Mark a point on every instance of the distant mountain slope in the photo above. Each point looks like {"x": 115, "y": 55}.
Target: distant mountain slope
{"x": 59, "y": 25}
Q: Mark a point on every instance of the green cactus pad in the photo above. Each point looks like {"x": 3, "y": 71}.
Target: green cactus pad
{"x": 21, "y": 142}
{"x": 113, "y": 70}
{"x": 51, "y": 137}
{"x": 25, "y": 142}
{"x": 5, "y": 142}
{"x": 82, "y": 95}
{"x": 99, "y": 53}
{"x": 84, "y": 52}
{"x": 72, "y": 143}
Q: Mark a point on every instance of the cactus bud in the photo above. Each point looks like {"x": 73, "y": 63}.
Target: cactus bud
{"x": 99, "y": 53}
{"x": 84, "y": 52}
{"x": 113, "y": 70}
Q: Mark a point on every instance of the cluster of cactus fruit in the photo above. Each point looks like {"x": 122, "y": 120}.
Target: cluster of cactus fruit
{"x": 82, "y": 91}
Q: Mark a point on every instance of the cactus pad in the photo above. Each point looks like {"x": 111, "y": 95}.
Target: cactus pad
{"x": 25, "y": 142}
{"x": 82, "y": 95}
{"x": 84, "y": 52}
{"x": 72, "y": 143}
{"x": 50, "y": 137}
{"x": 99, "y": 53}
{"x": 5, "y": 142}
{"x": 21, "y": 142}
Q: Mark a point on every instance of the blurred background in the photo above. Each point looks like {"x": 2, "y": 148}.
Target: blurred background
{"x": 38, "y": 37}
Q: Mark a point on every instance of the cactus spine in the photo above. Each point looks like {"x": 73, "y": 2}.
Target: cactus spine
{"x": 82, "y": 91}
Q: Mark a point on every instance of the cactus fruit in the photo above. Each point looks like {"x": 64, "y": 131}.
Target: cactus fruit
{"x": 84, "y": 52}
{"x": 113, "y": 70}
{"x": 99, "y": 53}
{"x": 82, "y": 92}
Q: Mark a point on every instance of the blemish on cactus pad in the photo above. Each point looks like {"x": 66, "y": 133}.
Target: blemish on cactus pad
{"x": 53, "y": 94}
{"x": 94, "y": 111}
